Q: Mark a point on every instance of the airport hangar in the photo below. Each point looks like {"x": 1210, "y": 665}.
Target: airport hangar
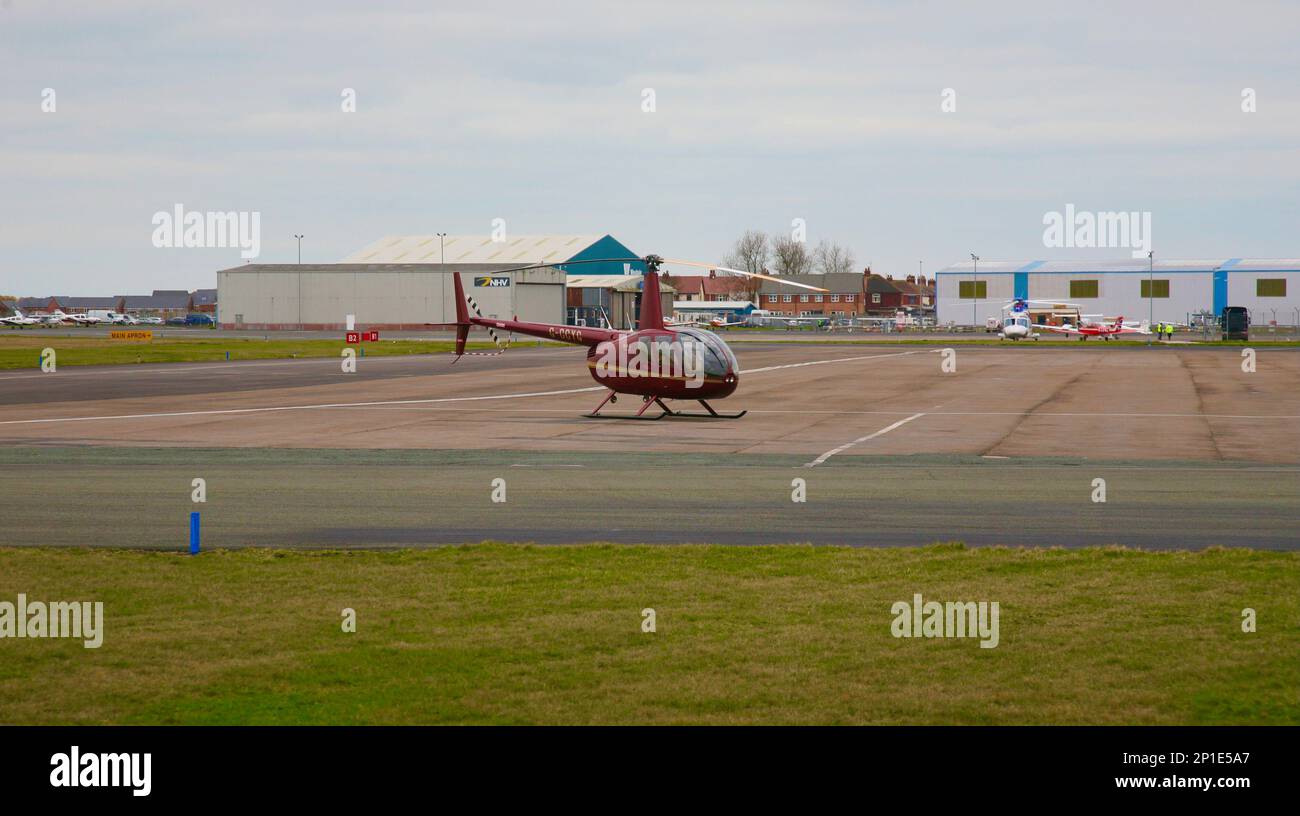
{"x": 968, "y": 293}
{"x": 404, "y": 282}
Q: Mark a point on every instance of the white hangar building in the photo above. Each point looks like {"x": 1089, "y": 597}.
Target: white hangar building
{"x": 404, "y": 282}
{"x": 970, "y": 292}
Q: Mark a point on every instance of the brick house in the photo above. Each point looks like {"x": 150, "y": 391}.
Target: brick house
{"x": 845, "y": 296}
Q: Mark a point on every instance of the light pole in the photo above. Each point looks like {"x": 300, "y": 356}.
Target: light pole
{"x": 974, "y": 289}
{"x": 442, "y": 255}
{"x": 299, "y": 237}
{"x": 1151, "y": 292}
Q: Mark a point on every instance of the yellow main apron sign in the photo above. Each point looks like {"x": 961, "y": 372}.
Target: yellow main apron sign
{"x": 144, "y": 334}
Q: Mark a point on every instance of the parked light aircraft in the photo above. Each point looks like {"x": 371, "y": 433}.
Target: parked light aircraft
{"x": 1102, "y": 329}
{"x": 18, "y": 320}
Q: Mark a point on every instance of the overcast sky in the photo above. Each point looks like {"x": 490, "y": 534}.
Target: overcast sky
{"x": 532, "y": 112}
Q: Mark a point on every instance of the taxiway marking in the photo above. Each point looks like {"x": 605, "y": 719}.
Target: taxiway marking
{"x": 835, "y": 360}
{"x": 828, "y": 454}
{"x": 301, "y": 407}
{"x": 232, "y": 365}
{"x": 268, "y": 409}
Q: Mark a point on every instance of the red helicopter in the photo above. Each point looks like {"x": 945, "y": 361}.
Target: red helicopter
{"x": 655, "y": 361}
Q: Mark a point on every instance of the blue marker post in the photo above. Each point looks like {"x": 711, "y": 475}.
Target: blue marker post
{"x": 363, "y": 351}
{"x": 227, "y": 356}
{"x": 194, "y": 533}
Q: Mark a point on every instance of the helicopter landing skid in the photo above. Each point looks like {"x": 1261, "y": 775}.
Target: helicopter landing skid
{"x": 712, "y": 414}
{"x": 666, "y": 411}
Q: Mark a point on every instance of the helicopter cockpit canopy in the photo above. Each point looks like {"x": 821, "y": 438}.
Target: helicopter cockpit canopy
{"x": 718, "y": 357}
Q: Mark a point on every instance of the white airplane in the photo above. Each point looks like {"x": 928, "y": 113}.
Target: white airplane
{"x": 715, "y": 322}
{"x": 764, "y": 317}
{"x": 18, "y": 320}
{"x": 1102, "y": 329}
{"x": 59, "y": 317}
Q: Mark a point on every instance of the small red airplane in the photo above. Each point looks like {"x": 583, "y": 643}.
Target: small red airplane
{"x": 655, "y": 361}
{"x": 1103, "y": 329}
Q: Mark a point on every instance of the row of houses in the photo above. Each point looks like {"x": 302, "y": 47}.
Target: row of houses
{"x": 849, "y": 294}
{"x": 162, "y": 303}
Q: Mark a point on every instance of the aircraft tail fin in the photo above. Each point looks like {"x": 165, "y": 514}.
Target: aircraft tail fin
{"x": 462, "y": 316}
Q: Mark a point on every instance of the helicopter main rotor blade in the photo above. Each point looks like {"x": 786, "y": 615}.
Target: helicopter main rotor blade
{"x": 746, "y": 274}
{"x": 557, "y": 264}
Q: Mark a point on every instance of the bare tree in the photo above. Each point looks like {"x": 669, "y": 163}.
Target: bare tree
{"x": 831, "y": 258}
{"x": 790, "y": 257}
{"x": 739, "y": 288}
{"x": 749, "y": 253}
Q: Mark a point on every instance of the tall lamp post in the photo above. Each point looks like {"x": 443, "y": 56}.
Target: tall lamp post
{"x": 1151, "y": 292}
{"x": 442, "y": 252}
{"x": 974, "y": 289}
{"x": 299, "y": 237}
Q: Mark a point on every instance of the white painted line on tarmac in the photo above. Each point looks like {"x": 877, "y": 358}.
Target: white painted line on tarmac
{"x": 230, "y": 365}
{"x": 1073, "y": 414}
{"x": 1098, "y": 415}
{"x": 301, "y": 407}
{"x": 838, "y": 360}
{"x": 828, "y": 454}
{"x": 219, "y": 412}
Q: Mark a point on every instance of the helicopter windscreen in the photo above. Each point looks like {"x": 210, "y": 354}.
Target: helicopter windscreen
{"x": 718, "y": 358}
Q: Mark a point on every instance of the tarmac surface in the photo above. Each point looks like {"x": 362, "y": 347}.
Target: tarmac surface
{"x": 894, "y": 450}
{"x": 1133, "y": 404}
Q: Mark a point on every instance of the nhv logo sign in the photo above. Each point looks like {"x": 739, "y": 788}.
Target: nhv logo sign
{"x": 493, "y": 281}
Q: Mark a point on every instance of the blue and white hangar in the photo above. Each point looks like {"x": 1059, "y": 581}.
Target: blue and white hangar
{"x": 971, "y": 292}
{"x": 404, "y": 282}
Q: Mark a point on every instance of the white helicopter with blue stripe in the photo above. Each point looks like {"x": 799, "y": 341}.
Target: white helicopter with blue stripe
{"x": 1016, "y": 321}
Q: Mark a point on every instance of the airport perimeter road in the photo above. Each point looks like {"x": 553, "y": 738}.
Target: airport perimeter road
{"x": 356, "y": 499}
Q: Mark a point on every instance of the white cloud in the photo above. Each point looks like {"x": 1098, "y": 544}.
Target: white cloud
{"x": 531, "y": 113}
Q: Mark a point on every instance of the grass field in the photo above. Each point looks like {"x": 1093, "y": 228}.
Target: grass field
{"x": 23, "y": 351}
{"x": 522, "y": 634}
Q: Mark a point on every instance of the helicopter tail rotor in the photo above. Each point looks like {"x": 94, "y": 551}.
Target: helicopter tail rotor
{"x": 463, "y": 324}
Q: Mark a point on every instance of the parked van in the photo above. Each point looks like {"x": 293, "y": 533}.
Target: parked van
{"x": 1234, "y": 323}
